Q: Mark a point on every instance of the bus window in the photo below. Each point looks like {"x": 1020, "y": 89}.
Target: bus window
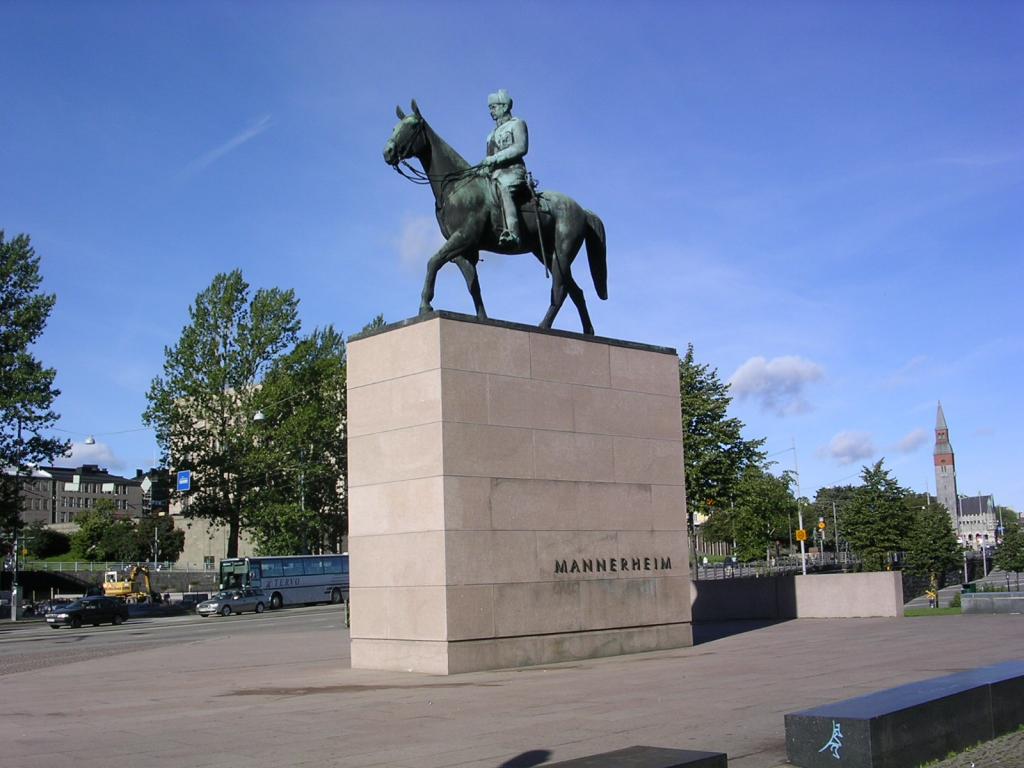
{"x": 291, "y": 567}
{"x": 332, "y": 565}
{"x": 254, "y": 572}
{"x": 232, "y": 574}
{"x": 271, "y": 569}
{"x": 313, "y": 567}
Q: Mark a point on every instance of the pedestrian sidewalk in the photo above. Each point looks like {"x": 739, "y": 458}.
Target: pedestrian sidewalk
{"x": 289, "y": 698}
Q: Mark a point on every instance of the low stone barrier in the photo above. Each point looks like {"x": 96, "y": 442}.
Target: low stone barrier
{"x": 648, "y": 757}
{"x": 818, "y": 596}
{"x": 992, "y": 602}
{"x": 906, "y": 726}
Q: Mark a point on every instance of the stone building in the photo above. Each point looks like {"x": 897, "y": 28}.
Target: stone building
{"x": 57, "y": 495}
{"x": 978, "y": 520}
{"x": 973, "y": 517}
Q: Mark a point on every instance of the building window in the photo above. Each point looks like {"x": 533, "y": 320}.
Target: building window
{"x": 207, "y": 562}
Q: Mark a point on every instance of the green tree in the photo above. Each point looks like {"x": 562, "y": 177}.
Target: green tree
{"x": 42, "y": 542}
{"x": 26, "y": 387}
{"x": 931, "y": 546}
{"x": 302, "y": 460}
{"x": 715, "y": 454}
{"x": 877, "y": 521}
{"x": 1010, "y": 556}
{"x": 374, "y": 325}
{"x": 758, "y": 517}
{"x": 170, "y": 539}
{"x": 102, "y": 536}
{"x": 831, "y": 503}
{"x": 202, "y": 407}
{"x": 1010, "y": 519}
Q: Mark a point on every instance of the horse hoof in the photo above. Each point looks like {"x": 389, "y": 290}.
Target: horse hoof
{"x": 426, "y": 309}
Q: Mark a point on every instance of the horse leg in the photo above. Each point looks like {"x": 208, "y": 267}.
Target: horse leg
{"x": 576, "y": 294}
{"x": 468, "y": 267}
{"x": 453, "y": 248}
{"x": 559, "y": 269}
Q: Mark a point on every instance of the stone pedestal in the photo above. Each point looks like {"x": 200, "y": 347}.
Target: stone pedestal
{"x": 516, "y": 497}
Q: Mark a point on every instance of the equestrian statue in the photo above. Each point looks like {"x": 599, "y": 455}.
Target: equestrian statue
{"x": 494, "y": 206}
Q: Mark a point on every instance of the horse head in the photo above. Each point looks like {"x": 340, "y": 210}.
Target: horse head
{"x": 408, "y": 138}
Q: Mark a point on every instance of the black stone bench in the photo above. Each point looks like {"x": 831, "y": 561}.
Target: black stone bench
{"x": 905, "y": 726}
{"x": 648, "y": 757}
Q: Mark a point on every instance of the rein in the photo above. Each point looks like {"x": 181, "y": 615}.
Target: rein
{"x": 417, "y": 176}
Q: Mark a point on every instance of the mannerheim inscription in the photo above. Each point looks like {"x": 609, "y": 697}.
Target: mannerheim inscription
{"x": 613, "y": 564}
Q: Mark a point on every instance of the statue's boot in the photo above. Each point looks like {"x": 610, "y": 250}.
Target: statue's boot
{"x": 510, "y": 235}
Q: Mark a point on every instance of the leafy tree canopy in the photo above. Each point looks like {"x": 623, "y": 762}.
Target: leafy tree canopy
{"x": 104, "y": 537}
{"x": 42, "y": 542}
{"x": 375, "y": 324}
{"x": 302, "y": 459}
{"x": 931, "y": 546}
{"x": 1009, "y": 518}
{"x": 759, "y": 517}
{"x": 877, "y": 520}
{"x": 26, "y": 387}
{"x": 1010, "y": 556}
{"x": 202, "y": 407}
{"x": 715, "y": 454}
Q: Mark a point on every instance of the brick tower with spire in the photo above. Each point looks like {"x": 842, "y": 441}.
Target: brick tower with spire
{"x": 945, "y": 469}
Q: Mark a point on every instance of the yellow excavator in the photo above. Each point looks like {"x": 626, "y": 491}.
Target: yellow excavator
{"x": 136, "y": 587}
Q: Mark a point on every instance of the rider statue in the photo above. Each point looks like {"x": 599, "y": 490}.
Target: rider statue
{"x": 507, "y": 145}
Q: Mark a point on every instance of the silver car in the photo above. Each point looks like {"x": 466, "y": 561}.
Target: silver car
{"x": 233, "y": 601}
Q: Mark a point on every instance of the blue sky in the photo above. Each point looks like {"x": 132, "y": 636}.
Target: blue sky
{"x": 824, "y": 198}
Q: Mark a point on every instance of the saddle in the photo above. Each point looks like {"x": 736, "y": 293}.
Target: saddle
{"x": 529, "y": 202}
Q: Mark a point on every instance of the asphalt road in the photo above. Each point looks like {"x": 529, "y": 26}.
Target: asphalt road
{"x": 32, "y": 645}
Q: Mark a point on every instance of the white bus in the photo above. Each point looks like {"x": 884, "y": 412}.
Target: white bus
{"x": 294, "y": 580}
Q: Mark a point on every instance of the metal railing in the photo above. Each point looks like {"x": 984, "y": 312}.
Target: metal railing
{"x": 85, "y": 566}
{"x": 827, "y": 561}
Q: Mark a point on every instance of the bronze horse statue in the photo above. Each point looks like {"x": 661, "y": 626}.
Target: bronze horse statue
{"x": 553, "y": 228}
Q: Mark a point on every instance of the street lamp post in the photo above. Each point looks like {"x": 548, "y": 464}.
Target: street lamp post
{"x": 800, "y": 514}
{"x": 15, "y": 591}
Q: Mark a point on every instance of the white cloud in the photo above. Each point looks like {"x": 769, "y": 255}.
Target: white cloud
{"x": 778, "y": 383}
{"x": 258, "y": 126}
{"x": 912, "y": 441}
{"x": 418, "y": 240}
{"x": 97, "y": 453}
{"x": 849, "y": 447}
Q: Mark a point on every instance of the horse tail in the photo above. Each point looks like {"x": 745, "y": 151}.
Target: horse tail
{"x": 597, "y": 253}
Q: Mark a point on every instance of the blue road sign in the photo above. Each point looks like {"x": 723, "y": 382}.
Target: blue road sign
{"x": 185, "y": 480}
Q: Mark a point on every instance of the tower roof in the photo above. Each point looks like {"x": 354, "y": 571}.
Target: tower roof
{"x": 940, "y": 418}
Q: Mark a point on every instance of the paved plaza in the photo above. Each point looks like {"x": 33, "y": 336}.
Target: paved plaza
{"x": 291, "y": 699}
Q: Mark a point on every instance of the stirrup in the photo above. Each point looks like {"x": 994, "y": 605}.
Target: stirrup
{"x": 508, "y": 237}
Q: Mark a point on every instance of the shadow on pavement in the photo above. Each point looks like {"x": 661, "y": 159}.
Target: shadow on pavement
{"x": 528, "y": 759}
{"x": 707, "y": 632}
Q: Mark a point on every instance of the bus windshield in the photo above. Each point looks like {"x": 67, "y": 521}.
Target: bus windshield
{"x": 233, "y": 574}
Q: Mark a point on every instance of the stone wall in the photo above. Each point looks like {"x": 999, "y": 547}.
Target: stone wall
{"x": 817, "y": 596}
